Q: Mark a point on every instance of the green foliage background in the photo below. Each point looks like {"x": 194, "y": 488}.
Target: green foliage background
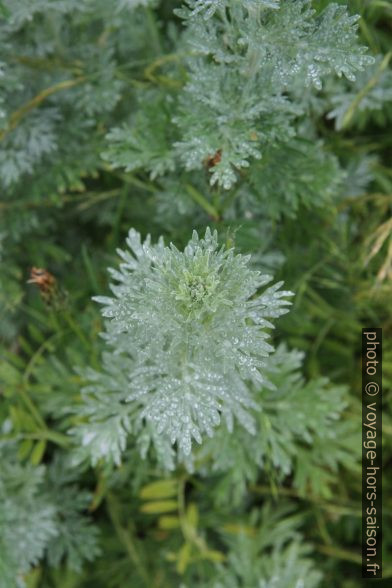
{"x": 116, "y": 115}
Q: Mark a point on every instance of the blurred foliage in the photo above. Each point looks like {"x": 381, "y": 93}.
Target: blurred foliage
{"x": 73, "y": 77}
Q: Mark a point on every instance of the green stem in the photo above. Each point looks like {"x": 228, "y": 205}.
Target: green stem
{"x": 58, "y": 438}
{"x": 26, "y": 108}
{"x": 128, "y": 178}
{"x": 336, "y": 509}
{"x": 202, "y": 201}
{"x": 75, "y": 328}
{"x": 89, "y": 269}
{"x": 181, "y": 502}
{"x": 45, "y": 432}
{"x": 189, "y": 533}
{"x": 365, "y": 90}
{"x": 153, "y": 30}
{"x": 32, "y": 408}
{"x": 36, "y": 356}
{"x": 118, "y": 215}
{"x": 125, "y": 538}
{"x": 344, "y": 554}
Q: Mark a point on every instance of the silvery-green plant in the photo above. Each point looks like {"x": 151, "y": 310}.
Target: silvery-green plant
{"x": 42, "y": 512}
{"x": 187, "y": 333}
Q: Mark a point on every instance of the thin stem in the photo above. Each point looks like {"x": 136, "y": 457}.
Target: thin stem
{"x": 188, "y": 532}
{"x": 364, "y": 91}
{"x": 75, "y": 328}
{"x": 32, "y": 408}
{"x": 44, "y": 432}
{"x": 153, "y": 29}
{"x": 202, "y": 201}
{"x": 344, "y": 554}
{"x": 36, "y": 356}
{"x": 341, "y": 509}
{"x": 19, "y": 114}
{"x": 125, "y": 538}
{"x": 47, "y": 434}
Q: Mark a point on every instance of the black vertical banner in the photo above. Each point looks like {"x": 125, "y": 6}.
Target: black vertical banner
{"x": 371, "y": 453}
